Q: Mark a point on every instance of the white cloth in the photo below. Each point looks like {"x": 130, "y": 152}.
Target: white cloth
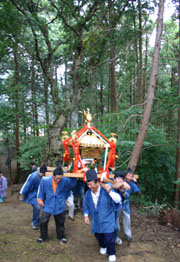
{"x": 115, "y": 197}
{"x": 95, "y": 197}
{"x": 70, "y": 205}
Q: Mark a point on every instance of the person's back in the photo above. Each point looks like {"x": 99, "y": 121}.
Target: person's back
{"x": 30, "y": 188}
{"x": 28, "y": 193}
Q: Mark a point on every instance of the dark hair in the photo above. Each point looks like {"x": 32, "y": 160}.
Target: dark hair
{"x": 91, "y": 175}
{"x": 58, "y": 171}
{"x": 32, "y": 163}
{"x": 119, "y": 173}
{"x": 95, "y": 181}
{"x": 129, "y": 170}
{"x": 43, "y": 169}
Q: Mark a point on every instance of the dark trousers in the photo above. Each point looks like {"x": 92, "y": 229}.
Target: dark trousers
{"x": 106, "y": 240}
{"x": 59, "y": 221}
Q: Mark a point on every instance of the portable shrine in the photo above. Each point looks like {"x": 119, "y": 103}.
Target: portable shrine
{"x": 88, "y": 147}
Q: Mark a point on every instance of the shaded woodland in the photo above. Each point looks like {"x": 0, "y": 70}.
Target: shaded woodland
{"x": 60, "y": 57}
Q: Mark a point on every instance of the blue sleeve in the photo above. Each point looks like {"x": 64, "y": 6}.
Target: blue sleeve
{"x": 69, "y": 184}
{"x": 86, "y": 209}
{"x": 40, "y": 193}
{"x": 134, "y": 188}
{"x": 127, "y": 194}
{"x": 27, "y": 186}
{"x": 73, "y": 183}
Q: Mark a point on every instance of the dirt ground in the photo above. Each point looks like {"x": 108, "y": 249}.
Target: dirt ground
{"x": 151, "y": 242}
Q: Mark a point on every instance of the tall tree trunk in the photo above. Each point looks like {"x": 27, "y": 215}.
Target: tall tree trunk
{"x": 145, "y": 69}
{"x": 109, "y": 90}
{"x": 112, "y": 23}
{"x": 34, "y": 102}
{"x": 16, "y": 80}
{"x": 170, "y": 112}
{"x": 147, "y": 112}
{"x": 137, "y": 55}
{"x": 139, "y": 91}
{"x": 46, "y": 96}
{"x": 24, "y": 121}
{"x": 114, "y": 107}
{"x": 177, "y": 193}
{"x": 66, "y": 81}
{"x": 101, "y": 94}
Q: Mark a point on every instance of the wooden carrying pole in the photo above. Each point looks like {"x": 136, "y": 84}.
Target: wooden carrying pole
{"x": 79, "y": 174}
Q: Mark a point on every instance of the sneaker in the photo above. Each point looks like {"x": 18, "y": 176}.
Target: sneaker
{"x": 40, "y": 240}
{"x": 118, "y": 241}
{"x": 112, "y": 258}
{"x": 34, "y": 227}
{"x": 129, "y": 239}
{"x": 103, "y": 250}
{"x": 63, "y": 240}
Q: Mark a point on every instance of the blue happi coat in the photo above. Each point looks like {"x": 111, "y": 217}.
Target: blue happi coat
{"x": 134, "y": 189}
{"x": 103, "y": 217}
{"x": 54, "y": 203}
{"x": 30, "y": 188}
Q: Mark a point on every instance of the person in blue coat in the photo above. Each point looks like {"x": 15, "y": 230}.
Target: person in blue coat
{"x": 33, "y": 166}
{"x": 52, "y": 194}
{"x": 100, "y": 204}
{"x": 123, "y": 190}
{"x": 125, "y": 209}
{"x": 3, "y": 187}
{"x": 28, "y": 193}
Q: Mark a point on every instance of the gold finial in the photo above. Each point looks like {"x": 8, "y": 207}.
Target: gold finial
{"x": 87, "y": 116}
{"x": 64, "y": 135}
{"x": 113, "y": 137}
{"x": 74, "y": 135}
{"x": 113, "y": 134}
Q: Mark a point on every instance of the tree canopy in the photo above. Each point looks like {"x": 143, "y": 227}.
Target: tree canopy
{"x": 59, "y": 57}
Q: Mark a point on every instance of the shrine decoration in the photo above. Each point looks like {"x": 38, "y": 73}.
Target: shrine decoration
{"x": 89, "y": 145}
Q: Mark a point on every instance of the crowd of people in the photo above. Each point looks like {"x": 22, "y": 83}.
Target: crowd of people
{"x": 102, "y": 204}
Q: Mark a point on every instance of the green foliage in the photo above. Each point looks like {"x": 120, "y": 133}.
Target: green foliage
{"x": 156, "y": 167}
{"x": 178, "y": 181}
{"x": 151, "y": 208}
{"x": 33, "y": 148}
{"x": 50, "y": 34}
{"x": 156, "y": 171}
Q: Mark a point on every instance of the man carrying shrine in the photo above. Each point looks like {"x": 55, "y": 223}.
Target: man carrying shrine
{"x": 28, "y": 193}
{"x": 100, "y": 204}
{"x": 52, "y": 194}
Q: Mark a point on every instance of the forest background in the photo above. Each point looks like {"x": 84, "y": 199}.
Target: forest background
{"x": 61, "y": 57}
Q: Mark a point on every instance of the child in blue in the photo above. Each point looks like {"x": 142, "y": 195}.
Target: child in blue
{"x": 28, "y": 193}
{"x": 125, "y": 209}
{"x": 99, "y": 203}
